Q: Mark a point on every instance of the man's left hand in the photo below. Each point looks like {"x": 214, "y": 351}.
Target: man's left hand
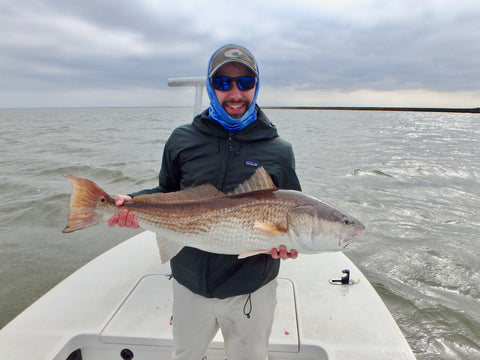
{"x": 282, "y": 253}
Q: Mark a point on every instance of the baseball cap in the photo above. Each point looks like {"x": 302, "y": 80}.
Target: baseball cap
{"x": 232, "y": 53}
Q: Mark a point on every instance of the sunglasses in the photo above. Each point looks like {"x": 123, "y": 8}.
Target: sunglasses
{"x": 224, "y": 83}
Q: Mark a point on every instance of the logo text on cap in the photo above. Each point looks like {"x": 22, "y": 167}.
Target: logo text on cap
{"x": 233, "y": 53}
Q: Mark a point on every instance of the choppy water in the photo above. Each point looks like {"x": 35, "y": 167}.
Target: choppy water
{"x": 412, "y": 178}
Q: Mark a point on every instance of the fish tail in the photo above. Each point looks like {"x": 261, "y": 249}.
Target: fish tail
{"x": 86, "y": 196}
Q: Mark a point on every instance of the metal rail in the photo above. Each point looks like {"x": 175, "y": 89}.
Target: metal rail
{"x": 198, "y": 82}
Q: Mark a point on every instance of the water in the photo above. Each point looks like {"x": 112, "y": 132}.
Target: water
{"x": 412, "y": 178}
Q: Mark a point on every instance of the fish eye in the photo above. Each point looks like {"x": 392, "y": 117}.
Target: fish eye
{"x": 346, "y": 221}
{"x": 103, "y": 199}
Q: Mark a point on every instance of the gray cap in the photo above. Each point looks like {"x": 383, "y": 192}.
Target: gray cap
{"x": 232, "y": 53}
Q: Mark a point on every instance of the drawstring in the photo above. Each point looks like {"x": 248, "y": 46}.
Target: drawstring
{"x": 249, "y": 303}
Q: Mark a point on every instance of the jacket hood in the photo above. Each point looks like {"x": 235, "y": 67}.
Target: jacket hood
{"x": 260, "y": 129}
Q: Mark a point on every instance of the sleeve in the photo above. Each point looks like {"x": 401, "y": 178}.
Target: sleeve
{"x": 286, "y": 177}
{"x": 292, "y": 181}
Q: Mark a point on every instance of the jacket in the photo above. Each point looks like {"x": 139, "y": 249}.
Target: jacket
{"x": 203, "y": 152}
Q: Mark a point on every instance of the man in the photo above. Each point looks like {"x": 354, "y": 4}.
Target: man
{"x": 223, "y": 146}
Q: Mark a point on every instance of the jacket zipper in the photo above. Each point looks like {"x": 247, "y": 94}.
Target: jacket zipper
{"x": 225, "y": 163}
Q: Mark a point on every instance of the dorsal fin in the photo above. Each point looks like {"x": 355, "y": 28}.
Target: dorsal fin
{"x": 197, "y": 193}
{"x": 260, "y": 180}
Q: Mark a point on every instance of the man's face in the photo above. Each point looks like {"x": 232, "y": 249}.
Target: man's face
{"x": 235, "y": 101}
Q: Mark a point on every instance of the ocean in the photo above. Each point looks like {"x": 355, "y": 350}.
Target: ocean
{"x": 411, "y": 177}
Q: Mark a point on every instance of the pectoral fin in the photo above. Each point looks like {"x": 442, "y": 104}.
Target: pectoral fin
{"x": 253, "y": 253}
{"x": 269, "y": 228}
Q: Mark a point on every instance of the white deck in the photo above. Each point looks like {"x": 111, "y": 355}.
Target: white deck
{"x": 123, "y": 299}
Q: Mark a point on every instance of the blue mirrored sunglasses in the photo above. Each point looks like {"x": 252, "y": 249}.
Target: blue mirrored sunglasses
{"x": 224, "y": 83}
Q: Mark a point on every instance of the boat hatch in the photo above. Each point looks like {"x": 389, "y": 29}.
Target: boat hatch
{"x": 144, "y": 317}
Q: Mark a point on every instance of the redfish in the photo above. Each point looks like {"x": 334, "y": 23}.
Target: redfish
{"x": 252, "y": 220}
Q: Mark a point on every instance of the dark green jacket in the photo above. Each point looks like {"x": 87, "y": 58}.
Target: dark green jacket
{"x": 203, "y": 152}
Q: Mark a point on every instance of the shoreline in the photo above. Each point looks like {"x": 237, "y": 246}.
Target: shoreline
{"x": 370, "y": 108}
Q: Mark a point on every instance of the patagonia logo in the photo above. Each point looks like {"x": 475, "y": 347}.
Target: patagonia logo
{"x": 251, "y": 163}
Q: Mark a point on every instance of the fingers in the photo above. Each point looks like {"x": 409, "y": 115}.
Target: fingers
{"x": 283, "y": 254}
{"x": 130, "y": 220}
{"x": 119, "y": 219}
{"x": 113, "y": 220}
{"x": 121, "y": 199}
{"x": 274, "y": 253}
{"x": 125, "y": 218}
{"x": 122, "y": 218}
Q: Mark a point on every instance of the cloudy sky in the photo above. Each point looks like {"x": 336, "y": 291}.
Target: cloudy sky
{"x": 310, "y": 52}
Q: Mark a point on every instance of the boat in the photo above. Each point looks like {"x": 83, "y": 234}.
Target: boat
{"x": 119, "y": 306}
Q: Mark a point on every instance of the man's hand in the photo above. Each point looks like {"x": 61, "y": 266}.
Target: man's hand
{"x": 282, "y": 253}
{"x": 125, "y": 218}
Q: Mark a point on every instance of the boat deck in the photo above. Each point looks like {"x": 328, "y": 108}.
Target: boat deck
{"x": 122, "y": 300}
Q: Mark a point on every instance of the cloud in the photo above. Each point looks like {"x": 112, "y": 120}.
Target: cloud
{"x": 58, "y": 47}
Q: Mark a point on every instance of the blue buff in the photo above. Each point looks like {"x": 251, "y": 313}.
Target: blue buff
{"x": 217, "y": 112}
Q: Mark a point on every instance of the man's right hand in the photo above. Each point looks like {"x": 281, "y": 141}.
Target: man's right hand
{"x": 125, "y": 218}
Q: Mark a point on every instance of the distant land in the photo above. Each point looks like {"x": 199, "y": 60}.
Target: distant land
{"x": 369, "y": 108}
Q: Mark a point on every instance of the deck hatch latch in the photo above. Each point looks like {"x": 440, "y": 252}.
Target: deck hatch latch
{"x": 344, "y": 280}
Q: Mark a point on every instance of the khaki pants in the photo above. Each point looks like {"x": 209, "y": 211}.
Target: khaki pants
{"x": 196, "y": 320}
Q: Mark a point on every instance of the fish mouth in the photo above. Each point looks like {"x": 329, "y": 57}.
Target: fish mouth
{"x": 347, "y": 240}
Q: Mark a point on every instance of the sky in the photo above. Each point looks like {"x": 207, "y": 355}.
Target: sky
{"x": 72, "y": 53}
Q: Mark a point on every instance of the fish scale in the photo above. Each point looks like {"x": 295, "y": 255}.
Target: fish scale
{"x": 224, "y": 230}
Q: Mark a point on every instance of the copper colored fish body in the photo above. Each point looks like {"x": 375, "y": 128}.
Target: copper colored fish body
{"x": 253, "y": 219}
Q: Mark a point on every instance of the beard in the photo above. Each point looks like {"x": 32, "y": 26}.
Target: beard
{"x": 235, "y": 109}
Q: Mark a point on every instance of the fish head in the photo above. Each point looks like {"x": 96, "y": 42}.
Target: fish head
{"x": 319, "y": 227}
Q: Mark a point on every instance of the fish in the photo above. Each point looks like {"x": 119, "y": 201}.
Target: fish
{"x": 251, "y": 220}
